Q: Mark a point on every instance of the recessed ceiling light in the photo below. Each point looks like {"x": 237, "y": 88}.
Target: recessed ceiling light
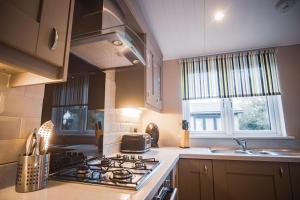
{"x": 117, "y": 42}
{"x": 219, "y": 16}
{"x": 135, "y": 61}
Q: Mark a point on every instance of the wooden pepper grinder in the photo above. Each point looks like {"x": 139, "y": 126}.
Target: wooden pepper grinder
{"x": 185, "y": 135}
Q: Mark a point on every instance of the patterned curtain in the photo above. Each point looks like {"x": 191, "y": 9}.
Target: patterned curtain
{"x": 252, "y": 73}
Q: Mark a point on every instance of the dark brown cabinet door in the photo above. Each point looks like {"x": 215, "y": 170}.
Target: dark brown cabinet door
{"x": 19, "y": 22}
{"x": 236, "y": 180}
{"x": 295, "y": 179}
{"x": 195, "y": 179}
{"x": 53, "y": 31}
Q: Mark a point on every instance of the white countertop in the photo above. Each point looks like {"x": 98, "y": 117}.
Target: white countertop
{"x": 168, "y": 157}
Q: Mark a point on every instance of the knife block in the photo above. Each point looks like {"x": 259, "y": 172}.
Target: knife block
{"x": 185, "y": 139}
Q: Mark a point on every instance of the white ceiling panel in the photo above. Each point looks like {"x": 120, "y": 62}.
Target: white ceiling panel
{"x": 186, "y": 28}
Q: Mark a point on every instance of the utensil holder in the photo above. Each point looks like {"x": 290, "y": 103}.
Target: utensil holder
{"x": 32, "y": 173}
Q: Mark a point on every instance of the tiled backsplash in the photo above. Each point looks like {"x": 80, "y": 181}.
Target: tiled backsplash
{"x": 20, "y": 113}
{"x": 116, "y": 123}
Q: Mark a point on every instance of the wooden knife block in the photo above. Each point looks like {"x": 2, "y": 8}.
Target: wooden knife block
{"x": 185, "y": 139}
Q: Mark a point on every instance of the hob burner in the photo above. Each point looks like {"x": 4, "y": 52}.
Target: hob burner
{"x": 140, "y": 165}
{"x": 83, "y": 171}
{"x": 122, "y": 174}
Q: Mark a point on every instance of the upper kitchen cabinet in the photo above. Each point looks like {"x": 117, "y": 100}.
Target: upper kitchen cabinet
{"x": 144, "y": 82}
{"x": 153, "y": 80}
{"x": 35, "y": 40}
{"x": 51, "y": 45}
{"x": 140, "y": 86}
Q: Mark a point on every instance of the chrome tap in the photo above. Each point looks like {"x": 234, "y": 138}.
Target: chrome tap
{"x": 242, "y": 143}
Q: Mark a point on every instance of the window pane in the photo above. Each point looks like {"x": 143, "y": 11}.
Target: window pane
{"x": 205, "y": 115}
{"x": 95, "y": 116}
{"x": 72, "y": 118}
{"x": 251, "y": 113}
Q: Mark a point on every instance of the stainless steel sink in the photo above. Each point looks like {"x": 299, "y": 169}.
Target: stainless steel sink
{"x": 261, "y": 152}
{"x": 229, "y": 151}
{"x": 281, "y": 152}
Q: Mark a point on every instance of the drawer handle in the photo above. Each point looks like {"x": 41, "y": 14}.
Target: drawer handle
{"x": 205, "y": 170}
{"x": 281, "y": 171}
{"x": 54, "y": 39}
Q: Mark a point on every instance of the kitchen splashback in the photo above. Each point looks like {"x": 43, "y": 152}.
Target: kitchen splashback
{"x": 115, "y": 125}
{"x": 20, "y": 112}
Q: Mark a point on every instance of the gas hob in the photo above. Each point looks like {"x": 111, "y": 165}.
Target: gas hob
{"x": 122, "y": 171}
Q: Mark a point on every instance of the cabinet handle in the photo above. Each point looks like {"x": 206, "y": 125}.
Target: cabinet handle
{"x": 54, "y": 39}
{"x": 281, "y": 171}
{"x": 205, "y": 170}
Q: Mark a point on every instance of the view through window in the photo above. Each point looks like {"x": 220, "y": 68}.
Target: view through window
{"x": 258, "y": 116}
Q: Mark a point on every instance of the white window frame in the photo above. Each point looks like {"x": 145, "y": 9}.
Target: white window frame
{"x": 275, "y": 113}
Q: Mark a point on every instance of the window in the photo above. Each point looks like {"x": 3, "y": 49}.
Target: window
{"x": 76, "y": 119}
{"x": 240, "y": 116}
{"x": 234, "y": 94}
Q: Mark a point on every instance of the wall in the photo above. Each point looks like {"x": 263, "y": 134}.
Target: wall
{"x": 20, "y": 113}
{"x": 117, "y": 122}
{"x": 170, "y": 118}
{"x": 288, "y": 59}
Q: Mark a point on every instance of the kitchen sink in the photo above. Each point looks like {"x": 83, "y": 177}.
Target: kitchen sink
{"x": 229, "y": 151}
{"x": 261, "y": 152}
{"x": 281, "y": 152}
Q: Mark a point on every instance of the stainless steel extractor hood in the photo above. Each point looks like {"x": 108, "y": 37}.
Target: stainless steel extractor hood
{"x": 102, "y": 37}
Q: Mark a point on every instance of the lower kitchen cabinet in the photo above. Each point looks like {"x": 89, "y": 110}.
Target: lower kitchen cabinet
{"x": 236, "y": 180}
{"x": 295, "y": 179}
{"x": 195, "y": 179}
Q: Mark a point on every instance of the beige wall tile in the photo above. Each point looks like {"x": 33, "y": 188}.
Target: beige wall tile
{"x": 3, "y": 80}
{"x": 10, "y": 127}
{"x": 10, "y": 150}
{"x": 16, "y": 92}
{"x": 110, "y": 149}
{"x": 21, "y": 106}
{"x": 28, "y": 125}
{"x": 8, "y": 175}
{"x": 35, "y": 91}
{"x": 2, "y": 101}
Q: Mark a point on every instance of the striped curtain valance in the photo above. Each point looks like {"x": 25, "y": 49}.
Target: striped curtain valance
{"x": 74, "y": 92}
{"x": 252, "y": 73}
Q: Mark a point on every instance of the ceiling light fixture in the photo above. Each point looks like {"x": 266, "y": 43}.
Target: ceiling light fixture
{"x": 219, "y": 16}
{"x": 117, "y": 43}
{"x": 135, "y": 61}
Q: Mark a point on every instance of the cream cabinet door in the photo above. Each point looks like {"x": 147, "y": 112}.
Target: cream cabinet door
{"x": 19, "y": 22}
{"x": 53, "y": 31}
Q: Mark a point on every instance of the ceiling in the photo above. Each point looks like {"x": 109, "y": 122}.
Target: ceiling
{"x": 186, "y": 28}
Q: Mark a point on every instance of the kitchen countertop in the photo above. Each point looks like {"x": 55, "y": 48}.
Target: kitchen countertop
{"x": 168, "y": 157}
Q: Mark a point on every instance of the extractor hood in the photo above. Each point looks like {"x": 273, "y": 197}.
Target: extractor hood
{"x": 102, "y": 36}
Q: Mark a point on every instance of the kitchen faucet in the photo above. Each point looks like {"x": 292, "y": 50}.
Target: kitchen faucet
{"x": 242, "y": 143}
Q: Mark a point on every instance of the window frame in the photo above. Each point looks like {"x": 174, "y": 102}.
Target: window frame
{"x": 276, "y": 121}
{"x": 83, "y": 131}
